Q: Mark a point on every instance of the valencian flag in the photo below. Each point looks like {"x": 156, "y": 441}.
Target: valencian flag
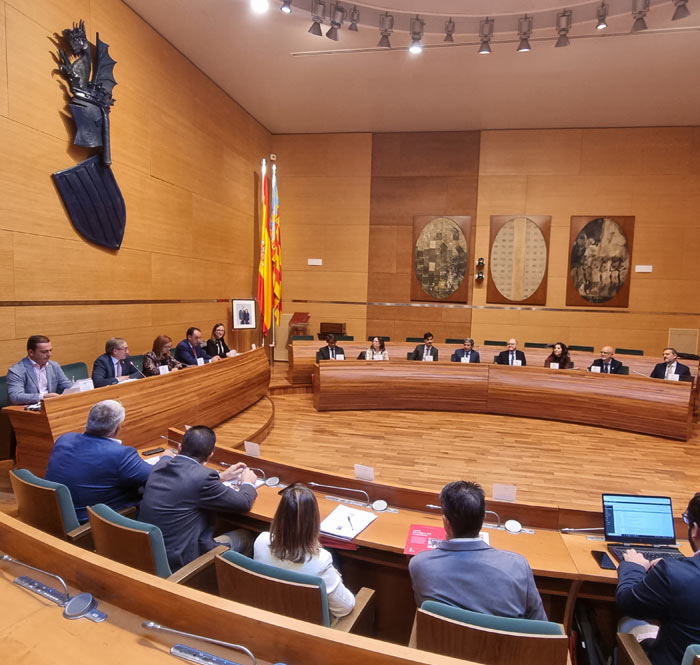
{"x": 276, "y": 249}
{"x": 265, "y": 267}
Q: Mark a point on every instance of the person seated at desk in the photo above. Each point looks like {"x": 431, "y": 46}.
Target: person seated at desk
{"x": 467, "y": 354}
{"x": 559, "y": 357}
{"x": 466, "y": 572}
{"x": 183, "y": 495}
{"x": 607, "y": 362}
{"x": 425, "y": 351}
{"x": 377, "y": 351}
{"x": 216, "y": 344}
{"x": 665, "y": 591}
{"x": 95, "y": 466}
{"x": 36, "y": 376}
{"x": 511, "y": 356}
{"x": 331, "y": 351}
{"x": 114, "y": 365}
{"x": 159, "y": 357}
{"x": 189, "y": 350}
{"x": 293, "y": 543}
{"x": 670, "y": 368}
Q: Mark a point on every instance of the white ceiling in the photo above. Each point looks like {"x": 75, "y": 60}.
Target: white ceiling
{"x": 295, "y": 82}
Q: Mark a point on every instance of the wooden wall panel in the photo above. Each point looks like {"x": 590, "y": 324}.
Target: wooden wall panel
{"x": 651, "y": 173}
{"x": 185, "y": 156}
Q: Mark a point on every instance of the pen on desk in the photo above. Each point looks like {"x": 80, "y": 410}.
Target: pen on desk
{"x": 350, "y": 521}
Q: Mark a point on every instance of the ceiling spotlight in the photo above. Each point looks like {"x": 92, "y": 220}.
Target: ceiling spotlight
{"x": 524, "y": 32}
{"x": 337, "y": 18}
{"x": 485, "y": 34}
{"x": 259, "y": 6}
{"x": 602, "y": 16}
{"x": 639, "y": 11}
{"x": 318, "y": 12}
{"x": 417, "y": 26}
{"x": 682, "y": 10}
{"x": 354, "y": 18}
{"x": 286, "y": 7}
{"x": 449, "y": 30}
{"x": 563, "y": 27}
{"x": 386, "y": 27}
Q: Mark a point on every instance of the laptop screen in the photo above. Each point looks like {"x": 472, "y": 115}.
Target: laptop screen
{"x": 638, "y": 519}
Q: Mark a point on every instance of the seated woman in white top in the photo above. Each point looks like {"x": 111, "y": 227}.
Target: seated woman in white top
{"x": 377, "y": 351}
{"x": 293, "y": 543}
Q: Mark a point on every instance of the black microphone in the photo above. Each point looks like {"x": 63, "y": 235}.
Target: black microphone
{"x": 131, "y": 362}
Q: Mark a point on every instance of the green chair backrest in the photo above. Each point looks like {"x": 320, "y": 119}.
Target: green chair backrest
{"x": 414, "y": 339}
{"x": 454, "y": 340}
{"x": 630, "y": 352}
{"x": 75, "y": 371}
{"x": 35, "y": 513}
{"x": 346, "y": 338}
{"x": 491, "y": 342}
{"x": 138, "y": 361}
{"x": 306, "y": 338}
{"x": 283, "y": 575}
{"x": 536, "y": 345}
{"x": 577, "y": 347}
{"x": 4, "y": 398}
{"x": 111, "y": 544}
{"x": 692, "y": 652}
{"x": 509, "y": 624}
{"x": 624, "y": 370}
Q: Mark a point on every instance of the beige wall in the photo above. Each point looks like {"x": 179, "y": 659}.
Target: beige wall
{"x": 185, "y": 157}
{"x": 652, "y": 174}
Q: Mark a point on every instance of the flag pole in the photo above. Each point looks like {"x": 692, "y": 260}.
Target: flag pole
{"x": 273, "y": 159}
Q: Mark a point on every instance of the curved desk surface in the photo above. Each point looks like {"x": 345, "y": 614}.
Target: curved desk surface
{"x": 632, "y": 403}
{"x": 206, "y": 395}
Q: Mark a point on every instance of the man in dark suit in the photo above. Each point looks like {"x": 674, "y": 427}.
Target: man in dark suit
{"x": 95, "y": 466}
{"x": 671, "y": 368}
{"x": 465, "y": 572}
{"x": 666, "y": 591}
{"x": 467, "y": 354}
{"x": 425, "y": 351}
{"x": 512, "y": 356}
{"x": 607, "y": 362}
{"x": 189, "y": 350}
{"x": 114, "y": 365}
{"x": 36, "y": 376}
{"x": 182, "y": 497}
{"x": 331, "y": 351}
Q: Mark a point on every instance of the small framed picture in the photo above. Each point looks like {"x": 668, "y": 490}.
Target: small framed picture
{"x": 243, "y": 314}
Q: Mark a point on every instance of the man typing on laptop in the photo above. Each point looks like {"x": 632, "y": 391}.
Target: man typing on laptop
{"x": 666, "y": 591}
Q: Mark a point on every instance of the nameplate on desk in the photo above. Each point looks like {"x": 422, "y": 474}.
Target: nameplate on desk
{"x": 378, "y": 356}
{"x": 428, "y": 359}
{"x": 519, "y": 363}
{"x": 551, "y": 365}
{"x": 363, "y": 472}
{"x": 252, "y": 448}
{"x": 464, "y": 359}
{"x": 163, "y": 369}
{"x": 200, "y": 361}
{"x": 504, "y": 492}
{"x": 595, "y": 369}
{"x": 673, "y": 377}
{"x": 340, "y": 356}
{"x": 153, "y": 460}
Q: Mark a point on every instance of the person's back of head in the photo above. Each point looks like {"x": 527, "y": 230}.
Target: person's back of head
{"x": 105, "y": 418}
{"x": 464, "y": 506}
{"x": 295, "y": 529}
{"x": 694, "y": 510}
{"x": 198, "y": 443}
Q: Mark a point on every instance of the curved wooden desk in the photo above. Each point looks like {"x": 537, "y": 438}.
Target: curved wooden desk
{"x": 632, "y": 403}
{"x": 206, "y": 395}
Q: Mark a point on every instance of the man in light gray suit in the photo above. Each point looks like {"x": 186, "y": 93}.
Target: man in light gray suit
{"x": 466, "y": 572}
{"x": 36, "y": 377}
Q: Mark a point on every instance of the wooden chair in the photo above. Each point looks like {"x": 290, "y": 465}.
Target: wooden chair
{"x": 488, "y": 639}
{"x": 630, "y": 652}
{"x": 288, "y": 592}
{"x": 141, "y": 546}
{"x": 48, "y": 506}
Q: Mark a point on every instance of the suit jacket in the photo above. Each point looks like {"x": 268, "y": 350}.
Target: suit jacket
{"x": 324, "y": 353}
{"x": 502, "y": 357}
{"x": 22, "y": 385}
{"x": 475, "y": 576}
{"x": 615, "y": 365}
{"x": 181, "y": 498}
{"x": 103, "y": 370}
{"x": 669, "y": 593}
{"x": 659, "y": 371}
{"x": 183, "y": 353}
{"x": 213, "y": 350}
{"x": 460, "y": 353}
{"x": 417, "y": 353}
{"x": 97, "y": 470}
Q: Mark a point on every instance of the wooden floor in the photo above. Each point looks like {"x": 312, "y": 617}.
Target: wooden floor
{"x": 549, "y": 462}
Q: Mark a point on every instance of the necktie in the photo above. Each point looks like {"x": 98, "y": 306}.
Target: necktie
{"x": 512, "y": 357}
{"x": 119, "y": 369}
{"x": 668, "y": 371}
{"x": 606, "y": 368}
{"x": 332, "y": 354}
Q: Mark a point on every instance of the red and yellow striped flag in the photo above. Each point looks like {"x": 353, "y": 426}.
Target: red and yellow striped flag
{"x": 265, "y": 266}
{"x": 276, "y": 249}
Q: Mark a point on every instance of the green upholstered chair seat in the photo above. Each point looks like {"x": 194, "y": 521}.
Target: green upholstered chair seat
{"x": 509, "y": 624}
{"x": 65, "y": 500}
{"x": 76, "y": 371}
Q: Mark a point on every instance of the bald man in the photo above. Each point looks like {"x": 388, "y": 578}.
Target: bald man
{"x": 512, "y": 356}
{"x": 606, "y": 362}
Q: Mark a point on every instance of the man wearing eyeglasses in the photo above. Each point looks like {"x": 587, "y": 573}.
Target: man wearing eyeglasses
{"x": 606, "y": 363}
{"x": 114, "y": 365}
{"x": 666, "y": 591}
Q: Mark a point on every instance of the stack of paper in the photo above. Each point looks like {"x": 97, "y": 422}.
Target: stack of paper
{"x": 346, "y": 522}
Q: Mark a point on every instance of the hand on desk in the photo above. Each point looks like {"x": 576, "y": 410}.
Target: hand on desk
{"x": 169, "y": 453}
{"x": 239, "y": 471}
{"x": 635, "y": 557}
{"x": 49, "y": 395}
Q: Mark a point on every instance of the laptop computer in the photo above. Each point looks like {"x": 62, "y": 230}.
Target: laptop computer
{"x": 646, "y": 522}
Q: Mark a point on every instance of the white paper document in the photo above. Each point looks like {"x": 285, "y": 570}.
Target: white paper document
{"x": 346, "y": 522}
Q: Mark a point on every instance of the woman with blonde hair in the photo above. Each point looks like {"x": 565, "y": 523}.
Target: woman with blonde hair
{"x": 293, "y": 543}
